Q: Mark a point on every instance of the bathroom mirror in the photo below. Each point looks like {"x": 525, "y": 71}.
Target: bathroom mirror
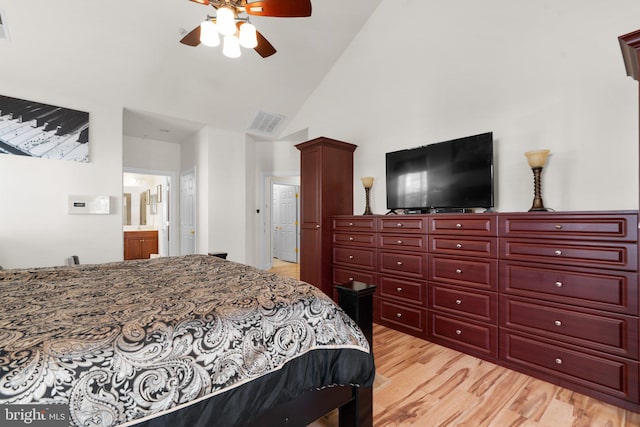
{"x": 126, "y": 209}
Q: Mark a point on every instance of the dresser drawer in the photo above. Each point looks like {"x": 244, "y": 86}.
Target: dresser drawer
{"x": 413, "y": 320}
{"x": 611, "y": 333}
{"x": 616, "y": 226}
{"x": 622, "y": 256}
{"x": 355, "y": 257}
{"x": 462, "y": 334}
{"x": 401, "y": 242}
{"x": 367, "y": 240}
{"x": 406, "y": 290}
{"x": 481, "y": 306}
{"x": 615, "y": 291}
{"x": 466, "y": 225}
{"x": 614, "y": 376}
{"x": 474, "y": 272}
{"x": 354, "y": 223}
{"x": 345, "y": 275}
{"x": 404, "y": 264}
{"x": 403, "y": 224}
{"x": 463, "y": 245}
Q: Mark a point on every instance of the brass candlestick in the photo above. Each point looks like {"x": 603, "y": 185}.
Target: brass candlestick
{"x": 367, "y": 182}
{"x": 536, "y": 161}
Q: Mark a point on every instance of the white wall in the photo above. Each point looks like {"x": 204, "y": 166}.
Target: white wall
{"x": 228, "y": 210}
{"x": 150, "y": 154}
{"x": 35, "y": 228}
{"x": 194, "y": 156}
{"x": 543, "y": 74}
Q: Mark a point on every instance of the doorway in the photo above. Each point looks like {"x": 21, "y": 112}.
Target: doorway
{"x": 188, "y": 212}
{"x": 270, "y": 240}
{"x": 147, "y": 205}
{"x": 284, "y": 222}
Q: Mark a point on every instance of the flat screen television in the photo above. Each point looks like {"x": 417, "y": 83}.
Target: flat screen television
{"x": 448, "y": 175}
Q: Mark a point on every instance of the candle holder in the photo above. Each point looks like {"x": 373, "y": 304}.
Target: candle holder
{"x": 367, "y": 182}
{"x": 536, "y": 160}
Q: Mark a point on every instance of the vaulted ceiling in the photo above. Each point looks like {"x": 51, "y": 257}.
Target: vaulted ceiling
{"x": 128, "y": 53}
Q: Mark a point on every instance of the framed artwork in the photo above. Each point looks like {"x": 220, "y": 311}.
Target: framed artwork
{"x": 29, "y": 128}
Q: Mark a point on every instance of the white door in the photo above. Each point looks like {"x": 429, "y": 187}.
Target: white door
{"x": 287, "y": 223}
{"x": 188, "y": 213}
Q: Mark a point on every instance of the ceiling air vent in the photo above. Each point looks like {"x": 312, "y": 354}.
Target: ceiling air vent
{"x": 4, "y": 32}
{"x": 265, "y": 123}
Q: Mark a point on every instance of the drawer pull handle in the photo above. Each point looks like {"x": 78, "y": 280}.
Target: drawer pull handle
{"x": 350, "y": 224}
{"x": 558, "y": 226}
{"x": 399, "y": 242}
{"x": 558, "y": 284}
{"x": 558, "y": 361}
{"x": 351, "y": 279}
{"x": 458, "y": 301}
{"x": 399, "y": 224}
{"x": 558, "y": 252}
{"x": 458, "y": 225}
{"x": 398, "y": 315}
{"x": 399, "y": 263}
{"x": 350, "y": 256}
{"x": 459, "y": 245}
{"x": 399, "y": 289}
{"x": 351, "y": 239}
{"x": 458, "y": 332}
{"x": 458, "y": 271}
{"x": 317, "y": 225}
{"x": 557, "y": 323}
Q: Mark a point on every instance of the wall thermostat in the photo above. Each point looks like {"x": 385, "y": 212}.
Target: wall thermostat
{"x": 89, "y": 205}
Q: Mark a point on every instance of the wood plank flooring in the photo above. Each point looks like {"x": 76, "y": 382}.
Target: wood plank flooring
{"x": 425, "y": 384}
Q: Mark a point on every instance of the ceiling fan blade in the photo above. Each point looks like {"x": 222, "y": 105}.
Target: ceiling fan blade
{"x": 264, "y": 48}
{"x": 279, "y": 8}
{"x": 193, "y": 38}
{"x": 204, "y": 2}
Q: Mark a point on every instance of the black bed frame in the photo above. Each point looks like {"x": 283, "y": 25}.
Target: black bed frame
{"x": 355, "y": 404}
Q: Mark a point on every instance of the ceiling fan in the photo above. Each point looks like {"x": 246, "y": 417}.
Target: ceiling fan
{"x": 231, "y": 22}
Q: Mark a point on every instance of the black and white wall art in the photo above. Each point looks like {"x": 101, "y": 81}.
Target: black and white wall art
{"x": 29, "y": 128}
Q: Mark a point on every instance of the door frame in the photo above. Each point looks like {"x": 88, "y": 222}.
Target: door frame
{"x": 174, "y": 204}
{"x": 265, "y": 256}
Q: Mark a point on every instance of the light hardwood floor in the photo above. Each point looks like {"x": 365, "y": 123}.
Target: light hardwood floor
{"x": 289, "y": 269}
{"x": 424, "y": 384}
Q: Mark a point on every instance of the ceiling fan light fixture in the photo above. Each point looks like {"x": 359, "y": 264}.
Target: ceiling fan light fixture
{"x": 209, "y": 34}
{"x": 226, "y": 20}
{"x": 231, "y": 47}
{"x": 248, "y": 37}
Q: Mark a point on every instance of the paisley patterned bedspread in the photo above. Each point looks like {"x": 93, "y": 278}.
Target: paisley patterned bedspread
{"x": 121, "y": 343}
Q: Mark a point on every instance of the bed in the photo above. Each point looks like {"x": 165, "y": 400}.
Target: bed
{"x": 179, "y": 341}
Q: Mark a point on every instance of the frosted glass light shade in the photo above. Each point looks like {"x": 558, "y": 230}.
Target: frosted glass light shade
{"x": 248, "y": 37}
{"x": 209, "y": 34}
{"x": 367, "y": 181}
{"x": 226, "y": 21}
{"x": 537, "y": 158}
{"x": 231, "y": 47}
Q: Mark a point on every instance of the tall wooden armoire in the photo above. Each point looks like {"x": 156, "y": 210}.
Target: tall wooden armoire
{"x": 326, "y": 188}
